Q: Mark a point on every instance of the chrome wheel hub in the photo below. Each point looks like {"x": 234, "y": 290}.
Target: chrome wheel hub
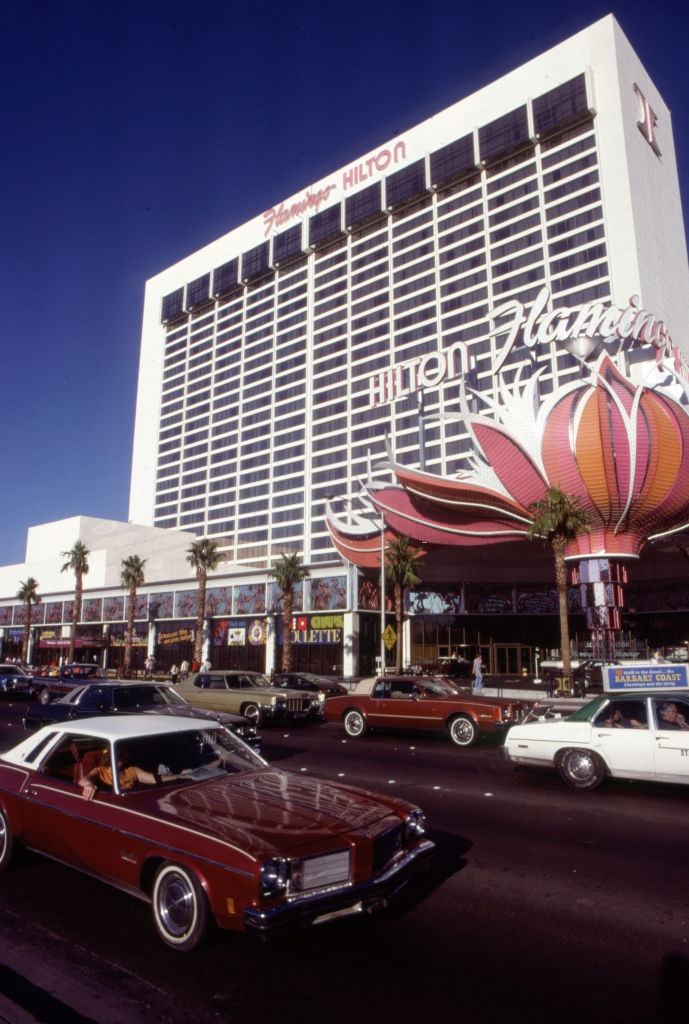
{"x": 580, "y": 766}
{"x": 176, "y": 905}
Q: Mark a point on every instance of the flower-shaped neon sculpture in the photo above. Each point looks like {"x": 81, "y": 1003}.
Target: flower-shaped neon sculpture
{"x": 621, "y": 449}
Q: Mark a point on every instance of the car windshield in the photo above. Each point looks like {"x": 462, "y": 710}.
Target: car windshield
{"x": 192, "y": 756}
{"x": 439, "y": 686}
{"x": 74, "y": 696}
{"x": 254, "y": 680}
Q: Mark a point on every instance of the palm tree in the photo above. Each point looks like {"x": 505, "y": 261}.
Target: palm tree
{"x": 401, "y": 563}
{"x": 132, "y": 577}
{"x": 203, "y": 556}
{"x": 559, "y": 518}
{"x": 78, "y": 563}
{"x": 28, "y": 595}
{"x": 288, "y": 571}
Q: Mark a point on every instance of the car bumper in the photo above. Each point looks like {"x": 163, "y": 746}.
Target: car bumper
{"x": 536, "y": 762}
{"x": 18, "y": 690}
{"x": 369, "y": 896}
{"x": 281, "y": 714}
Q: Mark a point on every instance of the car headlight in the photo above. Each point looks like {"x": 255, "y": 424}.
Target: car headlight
{"x": 274, "y": 876}
{"x": 416, "y": 824}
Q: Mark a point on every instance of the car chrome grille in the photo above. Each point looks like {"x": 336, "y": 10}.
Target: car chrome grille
{"x": 322, "y": 871}
{"x": 298, "y": 704}
{"x": 385, "y": 847}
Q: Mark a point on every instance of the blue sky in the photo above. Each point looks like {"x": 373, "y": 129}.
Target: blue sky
{"x": 136, "y": 132}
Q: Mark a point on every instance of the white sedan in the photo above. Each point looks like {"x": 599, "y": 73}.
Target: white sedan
{"x": 642, "y": 735}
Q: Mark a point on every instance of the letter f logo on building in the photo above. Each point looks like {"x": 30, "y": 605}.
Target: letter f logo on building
{"x": 648, "y": 122}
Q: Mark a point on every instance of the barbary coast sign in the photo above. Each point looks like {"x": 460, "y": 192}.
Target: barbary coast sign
{"x": 311, "y": 201}
{"x": 646, "y": 677}
{"x": 581, "y": 331}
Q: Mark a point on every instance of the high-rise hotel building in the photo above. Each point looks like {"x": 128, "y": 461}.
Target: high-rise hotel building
{"x": 275, "y": 360}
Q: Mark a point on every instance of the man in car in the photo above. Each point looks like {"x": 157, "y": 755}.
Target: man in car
{"x": 670, "y": 717}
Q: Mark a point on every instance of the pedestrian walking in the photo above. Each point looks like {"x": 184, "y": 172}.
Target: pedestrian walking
{"x": 149, "y": 665}
{"x": 174, "y": 673}
{"x": 206, "y": 667}
{"x": 477, "y": 672}
{"x": 184, "y": 670}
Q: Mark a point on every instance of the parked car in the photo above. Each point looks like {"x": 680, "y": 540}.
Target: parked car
{"x": 108, "y": 698}
{"x": 308, "y": 681}
{"x": 633, "y": 735}
{"x": 455, "y": 666}
{"x": 250, "y": 694}
{"x": 425, "y": 703}
{"x": 587, "y": 676}
{"x": 68, "y": 677}
{"x": 15, "y": 680}
{"x": 217, "y": 833}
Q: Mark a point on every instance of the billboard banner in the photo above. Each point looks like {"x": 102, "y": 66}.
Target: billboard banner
{"x": 645, "y": 677}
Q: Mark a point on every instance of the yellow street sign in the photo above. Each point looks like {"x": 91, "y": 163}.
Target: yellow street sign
{"x": 389, "y": 637}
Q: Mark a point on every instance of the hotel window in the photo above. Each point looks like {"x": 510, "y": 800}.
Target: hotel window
{"x": 561, "y": 106}
{"x": 197, "y": 292}
{"x": 572, "y": 223}
{"x": 405, "y": 185}
{"x": 226, "y": 278}
{"x": 569, "y": 205}
{"x": 504, "y": 135}
{"x": 325, "y": 226}
{"x": 255, "y": 262}
{"x": 452, "y": 161}
{"x": 364, "y": 206}
{"x": 172, "y": 306}
{"x": 580, "y": 146}
{"x": 287, "y": 245}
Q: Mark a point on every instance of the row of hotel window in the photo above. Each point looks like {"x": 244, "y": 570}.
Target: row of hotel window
{"x": 519, "y": 129}
{"x": 520, "y": 270}
{"x": 224, "y": 358}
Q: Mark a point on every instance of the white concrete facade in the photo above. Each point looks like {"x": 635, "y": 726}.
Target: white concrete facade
{"x": 641, "y": 251}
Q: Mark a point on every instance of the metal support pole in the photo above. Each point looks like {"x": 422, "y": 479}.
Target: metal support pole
{"x": 422, "y": 430}
{"x": 382, "y": 596}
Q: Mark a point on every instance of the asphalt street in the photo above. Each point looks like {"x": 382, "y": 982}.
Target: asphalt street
{"x": 541, "y": 904}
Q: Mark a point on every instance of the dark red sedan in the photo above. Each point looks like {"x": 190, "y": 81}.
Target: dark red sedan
{"x": 194, "y": 822}
{"x": 422, "y": 703}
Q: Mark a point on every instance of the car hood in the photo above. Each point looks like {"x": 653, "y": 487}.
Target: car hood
{"x": 551, "y": 729}
{"x": 271, "y": 810}
{"x": 179, "y": 711}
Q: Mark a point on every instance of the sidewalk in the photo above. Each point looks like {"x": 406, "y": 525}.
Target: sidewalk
{"x": 524, "y": 688}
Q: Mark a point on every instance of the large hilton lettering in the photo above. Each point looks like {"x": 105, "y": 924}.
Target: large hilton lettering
{"x": 423, "y": 372}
